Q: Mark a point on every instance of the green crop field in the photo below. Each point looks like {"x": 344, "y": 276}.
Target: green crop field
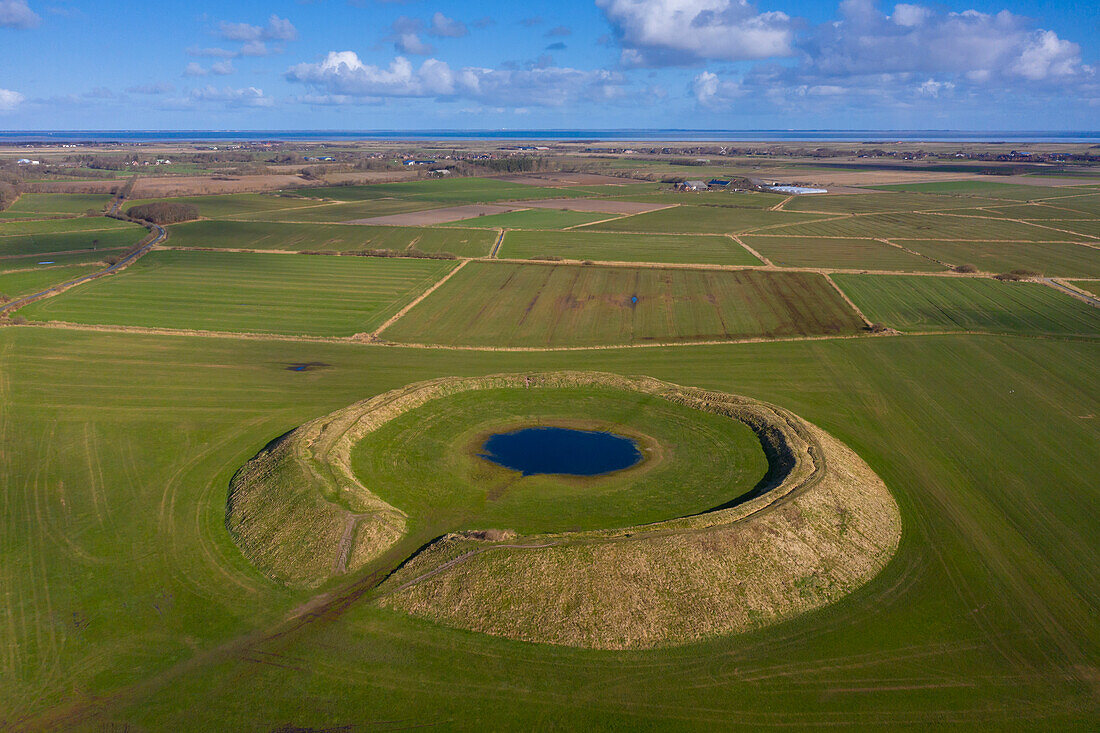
{"x": 60, "y": 226}
{"x": 448, "y": 190}
{"x": 57, "y": 203}
{"x": 839, "y": 253}
{"x": 322, "y": 212}
{"x": 106, "y": 239}
{"x": 1058, "y": 259}
{"x": 215, "y": 207}
{"x": 615, "y": 247}
{"x": 987, "y": 189}
{"x": 532, "y": 219}
{"x": 914, "y": 303}
{"x": 881, "y": 202}
{"x": 134, "y": 597}
{"x": 571, "y": 305}
{"x": 13, "y": 284}
{"x": 263, "y": 293}
{"x": 921, "y": 226}
{"x": 339, "y": 237}
{"x": 689, "y": 219}
{"x": 125, "y": 588}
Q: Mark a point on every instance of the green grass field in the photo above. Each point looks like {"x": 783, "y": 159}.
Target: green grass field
{"x": 57, "y": 203}
{"x": 921, "y": 226}
{"x": 871, "y": 203}
{"x": 61, "y": 226}
{"x": 106, "y": 239}
{"x": 914, "y": 303}
{"x": 570, "y": 305}
{"x": 532, "y": 219}
{"x": 340, "y": 237}
{"x": 612, "y": 247}
{"x": 702, "y": 220}
{"x": 425, "y": 464}
{"x": 448, "y": 190}
{"x": 1058, "y": 259}
{"x": 214, "y": 207}
{"x": 313, "y": 211}
{"x": 127, "y": 605}
{"x": 840, "y": 253}
{"x": 263, "y": 293}
{"x": 26, "y": 282}
{"x": 124, "y": 586}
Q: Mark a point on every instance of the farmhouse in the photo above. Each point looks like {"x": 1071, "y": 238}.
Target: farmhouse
{"x": 420, "y": 162}
{"x": 692, "y": 186}
{"x": 27, "y": 161}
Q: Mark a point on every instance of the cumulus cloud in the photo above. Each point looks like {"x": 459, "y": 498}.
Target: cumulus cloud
{"x": 9, "y": 100}
{"x": 711, "y": 91}
{"x": 195, "y": 69}
{"x": 444, "y": 27}
{"x": 672, "y": 32}
{"x": 916, "y": 39}
{"x": 342, "y": 73}
{"x": 277, "y": 29}
{"x": 17, "y": 14}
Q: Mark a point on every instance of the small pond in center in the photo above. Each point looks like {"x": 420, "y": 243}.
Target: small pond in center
{"x": 550, "y": 450}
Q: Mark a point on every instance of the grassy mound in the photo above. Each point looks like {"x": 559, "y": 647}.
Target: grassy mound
{"x": 787, "y": 531}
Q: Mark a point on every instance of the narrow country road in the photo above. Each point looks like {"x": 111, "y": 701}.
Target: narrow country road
{"x": 1070, "y": 291}
{"x": 15, "y": 305}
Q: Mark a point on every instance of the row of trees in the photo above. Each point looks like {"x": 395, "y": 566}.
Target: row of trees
{"x": 164, "y": 212}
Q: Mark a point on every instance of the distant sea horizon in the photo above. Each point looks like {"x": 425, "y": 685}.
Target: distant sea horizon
{"x": 15, "y": 137}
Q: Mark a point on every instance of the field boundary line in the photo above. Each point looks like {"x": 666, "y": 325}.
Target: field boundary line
{"x": 354, "y": 341}
{"x": 752, "y": 251}
{"x": 849, "y": 301}
{"x": 373, "y": 335}
{"x": 781, "y": 204}
{"x": 495, "y": 249}
{"x": 903, "y": 248}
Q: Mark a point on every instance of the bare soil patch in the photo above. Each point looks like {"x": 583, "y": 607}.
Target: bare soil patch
{"x": 438, "y": 216}
{"x": 148, "y": 188}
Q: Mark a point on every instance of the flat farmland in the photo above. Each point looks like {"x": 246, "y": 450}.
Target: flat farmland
{"x": 505, "y": 304}
{"x": 865, "y": 254}
{"x": 870, "y": 203}
{"x": 448, "y": 190}
{"x": 1089, "y": 286}
{"x": 30, "y": 260}
{"x": 336, "y": 213}
{"x": 988, "y": 189}
{"x": 921, "y": 226}
{"x": 914, "y": 303}
{"x": 742, "y": 200}
{"x": 532, "y": 219}
{"x": 232, "y": 291}
{"x": 340, "y": 237}
{"x": 1057, "y": 259}
{"x": 26, "y": 282}
{"x": 214, "y": 207}
{"x": 56, "y": 203}
{"x": 702, "y": 220}
{"x": 621, "y": 247}
{"x": 32, "y": 244}
{"x": 58, "y": 226}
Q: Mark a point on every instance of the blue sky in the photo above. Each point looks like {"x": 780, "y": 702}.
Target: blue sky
{"x": 424, "y": 64}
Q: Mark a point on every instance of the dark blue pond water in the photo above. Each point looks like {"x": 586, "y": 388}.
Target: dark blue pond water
{"x": 561, "y": 451}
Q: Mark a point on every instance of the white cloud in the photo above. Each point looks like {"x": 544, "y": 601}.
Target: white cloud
{"x": 220, "y": 53}
{"x": 195, "y": 69}
{"x": 445, "y": 27}
{"x": 1048, "y": 56}
{"x": 411, "y": 43}
{"x": 658, "y": 32}
{"x": 342, "y": 73}
{"x": 159, "y": 88}
{"x": 711, "y": 91}
{"x": 918, "y": 40}
{"x": 17, "y": 14}
{"x": 9, "y": 100}
{"x": 245, "y": 97}
{"x": 277, "y": 29}
{"x": 932, "y": 88}
{"x": 222, "y": 68}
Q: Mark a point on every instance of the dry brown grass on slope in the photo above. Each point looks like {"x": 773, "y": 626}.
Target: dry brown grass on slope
{"x": 669, "y": 588}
